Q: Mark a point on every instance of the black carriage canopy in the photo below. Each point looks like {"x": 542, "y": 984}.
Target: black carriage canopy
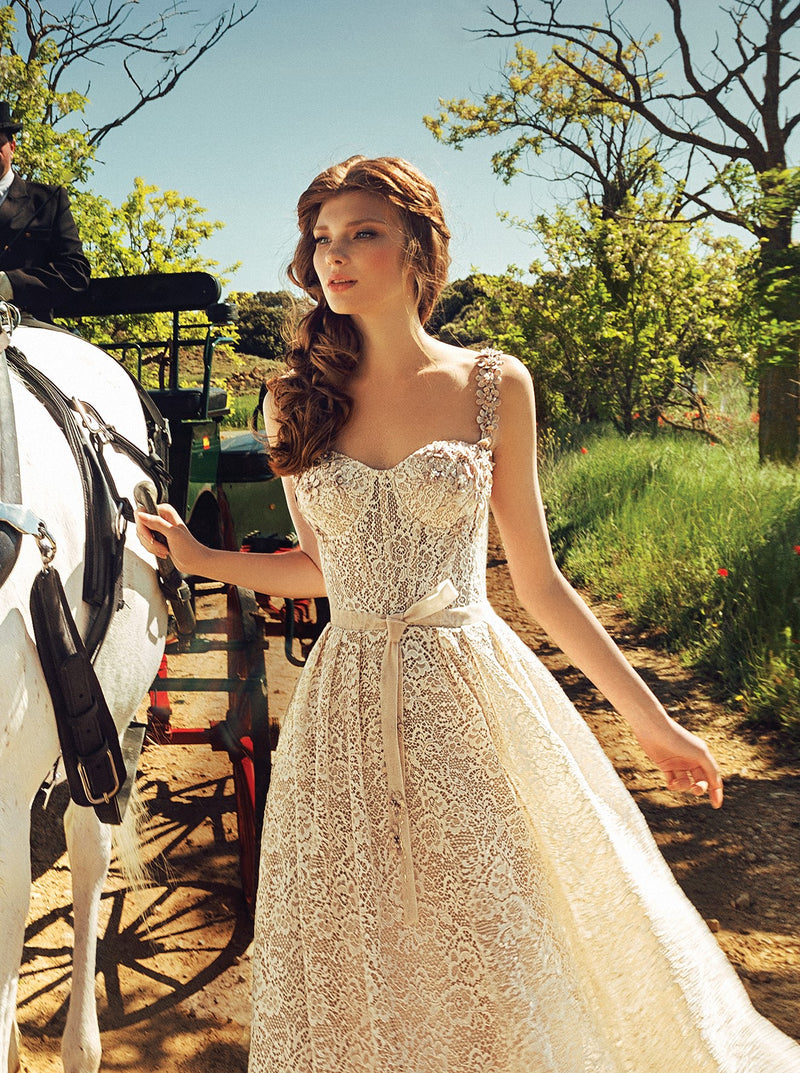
{"x": 160, "y": 292}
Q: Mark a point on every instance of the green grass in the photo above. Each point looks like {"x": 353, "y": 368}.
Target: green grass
{"x": 698, "y": 541}
{"x": 241, "y": 409}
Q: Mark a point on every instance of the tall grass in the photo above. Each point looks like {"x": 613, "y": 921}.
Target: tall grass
{"x": 698, "y": 540}
{"x": 241, "y": 410}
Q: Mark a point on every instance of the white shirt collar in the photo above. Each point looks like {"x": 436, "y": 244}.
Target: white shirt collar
{"x": 5, "y": 184}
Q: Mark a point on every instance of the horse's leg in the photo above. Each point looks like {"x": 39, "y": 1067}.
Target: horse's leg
{"x": 89, "y": 848}
{"x": 15, "y": 888}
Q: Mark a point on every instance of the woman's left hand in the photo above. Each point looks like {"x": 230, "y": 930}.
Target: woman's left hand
{"x": 686, "y": 761}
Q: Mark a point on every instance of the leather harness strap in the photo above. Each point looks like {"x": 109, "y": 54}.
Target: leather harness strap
{"x": 86, "y": 730}
{"x": 106, "y": 512}
{"x": 10, "y": 485}
{"x": 97, "y": 771}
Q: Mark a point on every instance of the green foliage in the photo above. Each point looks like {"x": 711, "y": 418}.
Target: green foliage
{"x": 593, "y": 98}
{"x": 241, "y": 409}
{"x": 776, "y": 689}
{"x": 546, "y": 105}
{"x": 760, "y": 201}
{"x": 631, "y": 308}
{"x": 696, "y": 540}
{"x": 152, "y": 231}
{"x": 454, "y": 317}
{"x": 620, "y": 316}
{"x": 769, "y": 285}
{"x": 263, "y": 321}
{"x": 627, "y": 301}
{"x": 44, "y": 152}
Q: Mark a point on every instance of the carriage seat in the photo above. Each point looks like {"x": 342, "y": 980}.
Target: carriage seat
{"x": 186, "y": 404}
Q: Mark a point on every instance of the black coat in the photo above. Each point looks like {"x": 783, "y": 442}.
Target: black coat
{"x": 40, "y": 249}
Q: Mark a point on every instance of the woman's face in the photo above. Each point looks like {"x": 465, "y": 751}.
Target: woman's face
{"x": 359, "y": 255}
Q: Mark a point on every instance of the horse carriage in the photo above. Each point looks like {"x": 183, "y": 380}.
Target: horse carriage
{"x": 113, "y": 637}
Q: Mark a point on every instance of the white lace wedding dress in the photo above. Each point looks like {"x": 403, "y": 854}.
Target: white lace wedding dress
{"x": 453, "y": 878}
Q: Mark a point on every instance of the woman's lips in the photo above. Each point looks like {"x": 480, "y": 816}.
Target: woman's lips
{"x": 339, "y": 285}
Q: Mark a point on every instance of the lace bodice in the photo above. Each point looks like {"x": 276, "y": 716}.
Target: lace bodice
{"x": 428, "y": 512}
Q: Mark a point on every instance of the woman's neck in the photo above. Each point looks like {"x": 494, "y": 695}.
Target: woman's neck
{"x": 392, "y": 348}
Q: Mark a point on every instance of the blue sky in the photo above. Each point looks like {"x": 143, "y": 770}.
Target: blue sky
{"x": 304, "y": 83}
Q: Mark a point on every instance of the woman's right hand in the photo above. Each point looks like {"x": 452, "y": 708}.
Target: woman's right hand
{"x": 186, "y": 552}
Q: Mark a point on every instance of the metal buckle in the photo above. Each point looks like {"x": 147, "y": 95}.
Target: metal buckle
{"x": 93, "y": 422}
{"x": 87, "y": 788}
{"x": 10, "y": 317}
{"x": 30, "y": 524}
{"x": 120, "y": 521}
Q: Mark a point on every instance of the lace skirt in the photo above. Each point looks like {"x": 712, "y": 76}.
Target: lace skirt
{"x": 549, "y": 933}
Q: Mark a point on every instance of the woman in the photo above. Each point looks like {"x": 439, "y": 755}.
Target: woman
{"x": 452, "y": 878}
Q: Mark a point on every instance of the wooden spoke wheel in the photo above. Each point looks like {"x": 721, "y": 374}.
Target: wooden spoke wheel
{"x": 248, "y": 724}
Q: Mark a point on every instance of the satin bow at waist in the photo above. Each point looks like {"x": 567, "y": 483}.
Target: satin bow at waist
{"x": 432, "y": 610}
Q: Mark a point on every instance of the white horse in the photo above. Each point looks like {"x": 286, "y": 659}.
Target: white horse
{"x": 126, "y": 665}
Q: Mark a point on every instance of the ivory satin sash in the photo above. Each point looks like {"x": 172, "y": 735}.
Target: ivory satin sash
{"x": 432, "y": 610}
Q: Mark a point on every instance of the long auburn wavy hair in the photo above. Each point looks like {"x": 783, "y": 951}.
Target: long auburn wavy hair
{"x": 310, "y": 401}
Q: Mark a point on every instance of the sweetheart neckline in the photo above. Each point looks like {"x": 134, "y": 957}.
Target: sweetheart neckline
{"x": 483, "y": 442}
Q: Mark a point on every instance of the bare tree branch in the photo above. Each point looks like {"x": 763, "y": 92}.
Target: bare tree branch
{"x": 91, "y": 29}
{"x": 606, "y": 44}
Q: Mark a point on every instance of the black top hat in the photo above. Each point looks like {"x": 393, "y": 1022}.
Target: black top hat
{"x": 8, "y": 124}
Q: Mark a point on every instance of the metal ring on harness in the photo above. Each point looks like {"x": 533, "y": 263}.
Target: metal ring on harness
{"x": 46, "y": 545}
{"x": 121, "y": 519}
{"x": 30, "y": 524}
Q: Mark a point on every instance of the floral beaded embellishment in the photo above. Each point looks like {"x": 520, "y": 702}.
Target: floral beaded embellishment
{"x": 453, "y": 466}
{"x": 488, "y": 393}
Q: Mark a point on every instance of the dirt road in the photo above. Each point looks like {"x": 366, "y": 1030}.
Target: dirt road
{"x": 173, "y": 960}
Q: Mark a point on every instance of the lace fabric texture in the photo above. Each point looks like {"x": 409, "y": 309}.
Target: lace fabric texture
{"x": 550, "y": 936}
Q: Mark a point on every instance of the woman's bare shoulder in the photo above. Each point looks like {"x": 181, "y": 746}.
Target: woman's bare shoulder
{"x": 270, "y": 407}
{"x": 513, "y": 370}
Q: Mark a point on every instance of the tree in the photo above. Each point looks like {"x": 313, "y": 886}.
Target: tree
{"x": 40, "y": 51}
{"x": 737, "y": 114}
{"x": 628, "y": 351}
{"x": 454, "y": 316}
{"x": 606, "y": 261}
{"x": 67, "y": 43}
{"x": 545, "y": 105}
{"x": 261, "y": 322}
{"x": 152, "y": 231}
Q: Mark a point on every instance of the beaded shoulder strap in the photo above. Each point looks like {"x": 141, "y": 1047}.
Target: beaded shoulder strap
{"x": 489, "y": 365}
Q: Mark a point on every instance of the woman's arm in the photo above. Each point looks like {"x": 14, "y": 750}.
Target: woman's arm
{"x": 542, "y": 589}
{"x": 294, "y": 573}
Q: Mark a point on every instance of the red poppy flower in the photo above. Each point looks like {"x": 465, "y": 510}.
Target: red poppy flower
{"x": 797, "y": 549}
{"x": 722, "y": 572}
{"x": 584, "y": 450}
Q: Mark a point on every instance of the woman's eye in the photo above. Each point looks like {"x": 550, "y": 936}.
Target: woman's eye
{"x": 319, "y": 239}
{"x": 365, "y": 234}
